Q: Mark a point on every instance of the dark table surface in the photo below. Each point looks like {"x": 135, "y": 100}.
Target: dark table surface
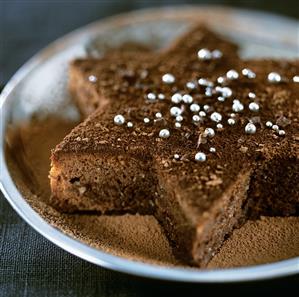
{"x": 31, "y": 265}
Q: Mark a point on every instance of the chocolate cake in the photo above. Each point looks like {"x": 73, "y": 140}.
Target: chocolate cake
{"x": 191, "y": 134}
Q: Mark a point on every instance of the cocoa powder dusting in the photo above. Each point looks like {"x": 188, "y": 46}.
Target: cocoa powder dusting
{"x": 267, "y": 240}
{"x": 263, "y": 241}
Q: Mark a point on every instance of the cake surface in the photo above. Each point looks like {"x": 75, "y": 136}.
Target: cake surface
{"x": 232, "y": 155}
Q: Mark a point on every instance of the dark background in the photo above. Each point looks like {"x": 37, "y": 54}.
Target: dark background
{"x": 29, "y": 264}
{"x": 27, "y": 26}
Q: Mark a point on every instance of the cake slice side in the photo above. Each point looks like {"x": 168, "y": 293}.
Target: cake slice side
{"x": 92, "y": 171}
{"x": 99, "y": 182}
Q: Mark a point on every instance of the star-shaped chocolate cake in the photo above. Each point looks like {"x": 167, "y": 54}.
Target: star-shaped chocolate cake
{"x": 192, "y": 134}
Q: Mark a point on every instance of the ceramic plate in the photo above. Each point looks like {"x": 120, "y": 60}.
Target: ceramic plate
{"x": 39, "y": 87}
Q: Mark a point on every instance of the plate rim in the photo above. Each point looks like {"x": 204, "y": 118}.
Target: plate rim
{"x": 96, "y": 256}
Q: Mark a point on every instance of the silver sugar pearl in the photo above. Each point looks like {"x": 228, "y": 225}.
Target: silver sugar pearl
{"x": 175, "y": 111}
{"x": 232, "y": 74}
{"x": 146, "y": 120}
{"x": 209, "y": 92}
{"x": 209, "y": 132}
{"x": 248, "y": 73}
{"x": 206, "y": 107}
{"x": 296, "y": 78}
{"x": 219, "y": 126}
{"x": 164, "y": 133}
{"x": 202, "y": 114}
{"x": 269, "y": 124}
{"x": 119, "y": 120}
{"x": 178, "y": 125}
{"x": 254, "y": 106}
{"x": 200, "y": 157}
{"x": 226, "y": 92}
{"x": 275, "y": 127}
{"x": 158, "y": 115}
{"x": 176, "y": 156}
{"x": 161, "y": 96}
{"x": 204, "y": 54}
{"x": 221, "y": 99}
{"x": 216, "y": 54}
{"x": 194, "y": 107}
{"x": 220, "y": 80}
{"x": 205, "y": 82}
{"x": 188, "y": 99}
{"x": 143, "y": 74}
{"x": 151, "y": 96}
{"x": 232, "y": 115}
{"x": 190, "y": 85}
{"x": 237, "y": 106}
{"x": 212, "y": 150}
{"x": 250, "y": 128}
{"x": 176, "y": 98}
{"x": 92, "y": 78}
{"x": 179, "y": 118}
{"x": 231, "y": 121}
{"x": 202, "y": 82}
{"x": 129, "y": 124}
{"x": 168, "y": 78}
{"x": 281, "y": 133}
{"x": 216, "y": 117}
{"x": 251, "y": 95}
{"x": 274, "y": 77}
{"x": 218, "y": 89}
{"x": 195, "y": 118}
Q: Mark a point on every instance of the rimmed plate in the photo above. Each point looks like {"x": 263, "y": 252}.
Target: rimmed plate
{"x": 39, "y": 87}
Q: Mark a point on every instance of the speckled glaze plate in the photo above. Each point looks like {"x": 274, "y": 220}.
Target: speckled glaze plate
{"x": 39, "y": 87}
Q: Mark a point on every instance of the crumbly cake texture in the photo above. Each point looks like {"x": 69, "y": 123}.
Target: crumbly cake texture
{"x": 235, "y": 158}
